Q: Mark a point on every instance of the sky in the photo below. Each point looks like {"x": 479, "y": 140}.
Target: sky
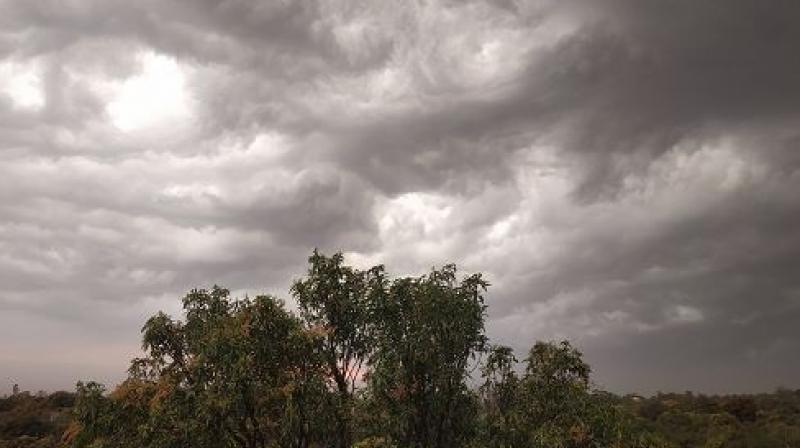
{"x": 625, "y": 173}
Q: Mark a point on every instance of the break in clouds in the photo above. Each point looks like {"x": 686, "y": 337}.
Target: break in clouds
{"x": 624, "y": 172}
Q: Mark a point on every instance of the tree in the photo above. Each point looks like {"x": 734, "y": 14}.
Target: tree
{"x": 367, "y": 362}
{"x": 552, "y": 404}
{"x": 743, "y": 408}
{"x": 236, "y": 373}
{"x": 499, "y": 397}
{"x": 334, "y": 299}
{"x": 556, "y": 379}
{"x": 428, "y": 331}
{"x": 500, "y": 384}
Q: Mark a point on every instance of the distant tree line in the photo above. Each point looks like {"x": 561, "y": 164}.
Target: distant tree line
{"x": 730, "y": 421}
{"x": 34, "y": 420}
{"x": 368, "y": 361}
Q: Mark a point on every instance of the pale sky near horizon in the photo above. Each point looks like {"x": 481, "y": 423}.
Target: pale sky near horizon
{"x": 626, "y": 173}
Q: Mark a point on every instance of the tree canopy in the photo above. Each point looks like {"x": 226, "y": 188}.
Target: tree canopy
{"x": 366, "y": 361}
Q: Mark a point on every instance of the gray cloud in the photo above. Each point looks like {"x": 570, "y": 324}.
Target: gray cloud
{"x": 624, "y": 173}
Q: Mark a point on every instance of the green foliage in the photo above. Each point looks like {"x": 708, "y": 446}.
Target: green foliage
{"x": 334, "y": 300}
{"x": 743, "y": 408}
{"x": 34, "y": 421}
{"x": 755, "y": 421}
{"x": 374, "y": 442}
{"x": 428, "y": 330}
{"x": 234, "y": 373}
{"x": 373, "y": 362}
{"x": 552, "y": 404}
{"x": 499, "y": 399}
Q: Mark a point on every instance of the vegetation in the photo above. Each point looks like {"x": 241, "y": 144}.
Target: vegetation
{"x": 34, "y": 421}
{"x": 738, "y": 421}
{"x": 368, "y": 361}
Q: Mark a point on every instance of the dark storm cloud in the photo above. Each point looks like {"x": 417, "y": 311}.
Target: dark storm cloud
{"x": 623, "y": 171}
{"x": 721, "y": 271}
{"x": 648, "y": 75}
{"x": 643, "y": 82}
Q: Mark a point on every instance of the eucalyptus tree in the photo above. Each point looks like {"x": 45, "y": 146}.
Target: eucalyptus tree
{"x": 335, "y": 302}
{"x": 368, "y": 362}
{"x": 429, "y": 330}
{"x": 233, "y": 373}
{"x": 555, "y": 381}
{"x": 552, "y": 404}
{"x": 499, "y": 395}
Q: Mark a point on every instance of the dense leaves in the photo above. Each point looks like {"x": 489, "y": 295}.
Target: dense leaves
{"x": 551, "y": 404}
{"x": 335, "y": 301}
{"x": 233, "y": 373}
{"x": 34, "y": 420}
{"x": 371, "y": 362}
{"x": 696, "y": 420}
{"x": 429, "y": 330}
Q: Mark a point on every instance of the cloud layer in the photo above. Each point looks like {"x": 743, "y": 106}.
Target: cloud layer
{"x": 625, "y": 172}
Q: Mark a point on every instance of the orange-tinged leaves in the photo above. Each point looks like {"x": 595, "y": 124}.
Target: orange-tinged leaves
{"x": 72, "y": 431}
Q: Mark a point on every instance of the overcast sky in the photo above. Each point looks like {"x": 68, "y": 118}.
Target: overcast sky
{"x": 626, "y": 173}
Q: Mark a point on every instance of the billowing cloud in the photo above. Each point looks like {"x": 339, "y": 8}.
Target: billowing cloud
{"x": 624, "y": 172}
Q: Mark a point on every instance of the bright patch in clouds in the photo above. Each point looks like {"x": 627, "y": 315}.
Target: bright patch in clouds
{"x": 155, "y": 96}
{"x": 420, "y": 214}
{"x": 686, "y": 314}
{"x": 23, "y": 84}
